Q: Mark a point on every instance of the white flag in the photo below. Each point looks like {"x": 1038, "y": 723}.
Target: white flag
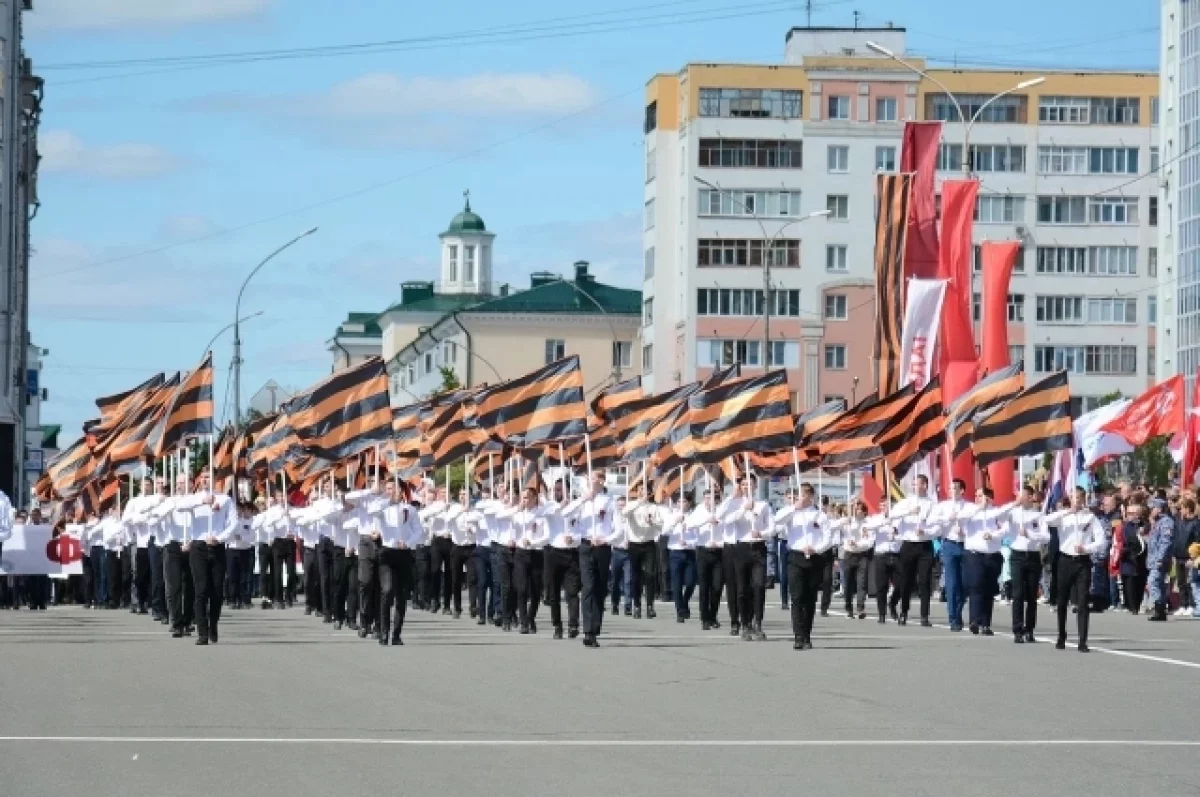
{"x": 922, "y": 315}
{"x": 33, "y": 550}
{"x": 1097, "y": 445}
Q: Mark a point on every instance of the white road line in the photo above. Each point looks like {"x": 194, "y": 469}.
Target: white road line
{"x": 1112, "y": 652}
{"x": 683, "y": 743}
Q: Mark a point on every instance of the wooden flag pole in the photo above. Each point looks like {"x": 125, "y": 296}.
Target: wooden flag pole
{"x": 212, "y": 485}
{"x": 491, "y": 475}
{"x": 587, "y": 447}
{"x": 377, "y": 466}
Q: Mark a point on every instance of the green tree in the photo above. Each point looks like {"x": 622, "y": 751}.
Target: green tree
{"x": 450, "y": 379}
{"x": 457, "y": 476}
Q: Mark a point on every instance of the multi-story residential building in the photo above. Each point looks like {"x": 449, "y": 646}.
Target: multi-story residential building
{"x": 738, "y": 156}
{"x": 482, "y": 333}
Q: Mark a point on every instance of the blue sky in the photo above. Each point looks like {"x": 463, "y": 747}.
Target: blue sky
{"x": 162, "y": 185}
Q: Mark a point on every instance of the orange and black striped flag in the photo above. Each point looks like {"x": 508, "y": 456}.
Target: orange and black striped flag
{"x": 274, "y": 446}
{"x": 73, "y": 469}
{"x": 607, "y": 405}
{"x": 1037, "y": 421}
{"x": 224, "y": 459}
{"x": 115, "y": 411}
{"x": 741, "y": 416}
{"x": 918, "y": 428}
{"x": 191, "y": 412}
{"x": 119, "y": 403}
{"x": 345, "y": 413}
{"x": 675, "y": 483}
{"x": 990, "y": 393}
{"x": 816, "y": 419}
{"x": 406, "y": 430}
{"x": 538, "y": 408}
{"x": 891, "y": 230}
{"x": 849, "y": 442}
{"x": 450, "y": 439}
{"x": 138, "y": 438}
{"x": 637, "y": 430}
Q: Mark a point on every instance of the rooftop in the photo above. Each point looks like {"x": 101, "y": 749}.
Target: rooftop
{"x": 550, "y": 293}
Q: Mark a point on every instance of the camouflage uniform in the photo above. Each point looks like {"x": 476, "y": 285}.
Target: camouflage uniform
{"x": 1158, "y": 558}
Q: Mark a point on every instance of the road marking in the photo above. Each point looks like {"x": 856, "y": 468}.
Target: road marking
{"x": 683, "y": 743}
{"x": 1112, "y": 652}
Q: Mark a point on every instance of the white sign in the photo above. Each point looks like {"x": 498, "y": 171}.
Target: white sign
{"x": 33, "y": 550}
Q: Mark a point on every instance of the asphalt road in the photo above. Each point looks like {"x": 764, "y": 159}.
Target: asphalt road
{"x": 106, "y": 703}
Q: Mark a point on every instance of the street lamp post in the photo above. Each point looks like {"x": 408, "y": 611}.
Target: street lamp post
{"x": 768, "y": 252}
{"x": 237, "y": 337}
{"x": 225, "y": 329}
{"x": 967, "y": 123}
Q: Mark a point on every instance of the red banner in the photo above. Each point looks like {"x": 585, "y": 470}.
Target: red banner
{"x": 918, "y": 156}
{"x": 998, "y": 258}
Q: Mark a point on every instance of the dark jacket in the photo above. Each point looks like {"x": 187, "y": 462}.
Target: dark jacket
{"x": 1186, "y": 533}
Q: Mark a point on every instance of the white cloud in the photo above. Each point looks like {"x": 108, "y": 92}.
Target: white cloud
{"x": 612, "y": 246}
{"x": 84, "y": 15}
{"x": 187, "y": 227}
{"x": 63, "y": 151}
{"x": 383, "y": 109}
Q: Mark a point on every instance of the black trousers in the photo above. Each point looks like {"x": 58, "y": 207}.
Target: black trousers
{"x": 805, "y": 574}
{"x": 981, "y": 572}
{"x": 235, "y": 564}
{"x": 89, "y": 578}
{"x": 441, "y": 550}
{"x": 528, "y": 567}
{"x": 1074, "y": 584}
{"x": 462, "y": 564}
{"x": 324, "y": 549}
{"x": 266, "y": 578}
{"x": 827, "y": 578}
{"x": 916, "y": 572}
{"x": 710, "y": 578}
{"x": 887, "y": 569}
{"x": 562, "y": 575}
{"x": 158, "y": 589}
{"x": 395, "y": 581}
{"x": 94, "y": 562}
{"x": 422, "y": 588}
{"x": 750, "y": 568}
{"x": 1134, "y": 587}
{"x": 283, "y": 551}
{"x": 504, "y": 559}
{"x": 115, "y": 584}
{"x": 662, "y": 561}
{"x": 312, "y": 580}
{"x": 594, "y": 562}
{"x": 208, "y": 577}
{"x": 856, "y": 572}
{"x": 368, "y": 581}
{"x": 127, "y": 554}
{"x": 345, "y": 585}
{"x": 172, "y": 556}
{"x": 1025, "y": 568}
{"x": 643, "y": 572}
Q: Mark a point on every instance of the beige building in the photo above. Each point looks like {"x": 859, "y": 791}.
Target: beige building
{"x": 484, "y": 333}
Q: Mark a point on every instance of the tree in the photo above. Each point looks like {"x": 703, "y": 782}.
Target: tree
{"x": 450, "y": 379}
{"x": 457, "y": 476}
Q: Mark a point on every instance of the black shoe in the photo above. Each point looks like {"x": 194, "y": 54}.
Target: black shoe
{"x": 1029, "y": 638}
{"x": 956, "y": 627}
{"x": 177, "y": 633}
{"x": 637, "y": 612}
{"x": 496, "y": 621}
{"x": 824, "y": 612}
{"x": 759, "y": 635}
{"x": 704, "y": 626}
{"x": 396, "y": 640}
{"x": 337, "y": 626}
{"x": 892, "y": 613}
{"x": 785, "y": 606}
{"x": 629, "y": 612}
{"x": 679, "y": 618}
{"x": 558, "y": 634}
{"x": 808, "y": 644}
{"x": 384, "y": 640}
{"x": 327, "y": 620}
{"x": 882, "y": 620}
{"x": 650, "y": 613}
{"x": 862, "y": 615}
{"x": 481, "y": 621}
{"x": 715, "y": 624}
{"x": 506, "y": 626}
{"x": 532, "y": 627}
{"x": 747, "y": 635}
{"x": 307, "y": 611}
{"x": 1084, "y": 648}
{"x": 903, "y": 619}
{"x": 201, "y": 640}
{"x": 798, "y": 644}
{"x": 987, "y": 631}
{"x": 447, "y": 611}
{"x": 457, "y": 613}
{"x": 734, "y": 630}
{"x": 362, "y": 633}
{"x": 1019, "y": 639}
{"x": 474, "y": 612}
{"x": 142, "y": 610}
{"x": 1061, "y": 644}
{"x": 524, "y": 628}
{"x": 591, "y": 641}
{"x": 925, "y": 623}
{"x": 615, "y": 611}
{"x": 572, "y": 633}
{"x": 212, "y": 635}
{"x": 974, "y": 629}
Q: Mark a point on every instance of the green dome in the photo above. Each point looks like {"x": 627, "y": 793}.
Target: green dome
{"x": 467, "y": 221}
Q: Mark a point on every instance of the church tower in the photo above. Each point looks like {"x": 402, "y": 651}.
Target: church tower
{"x": 466, "y": 253}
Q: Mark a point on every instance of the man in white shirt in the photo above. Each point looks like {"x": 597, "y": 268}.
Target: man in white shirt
{"x": 681, "y": 550}
{"x": 370, "y": 543}
{"x": 487, "y": 589}
{"x": 213, "y": 523}
{"x": 504, "y": 547}
{"x": 596, "y": 533}
{"x": 641, "y": 530}
{"x": 239, "y": 557}
{"x": 916, "y": 550}
{"x": 400, "y": 531}
{"x": 808, "y": 540}
{"x": 753, "y": 523}
{"x": 705, "y": 526}
{"x": 531, "y": 534}
{"x": 441, "y": 548}
{"x": 985, "y": 533}
{"x": 562, "y": 560}
{"x": 887, "y": 565}
{"x": 1080, "y": 536}
{"x": 464, "y": 523}
{"x": 949, "y": 516}
{"x": 113, "y": 535}
{"x": 858, "y": 541}
{"x": 1028, "y": 533}
{"x": 620, "y": 580}
{"x": 141, "y": 527}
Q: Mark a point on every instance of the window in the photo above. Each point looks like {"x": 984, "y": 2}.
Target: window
{"x": 1016, "y": 307}
{"x": 1154, "y": 110}
{"x": 647, "y": 312}
{"x": 1151, "y": 309}
{"x": 1114, "y": 261}
{"x": 751, "y": 103}
{"x": 1062, "y": 260}
{"x": 885, "y": 109}
{"x": 950, "y": 158}
{"x": 746, "y": 302}
{"x": 1152, "y": 262}
{"x": 649, "y": 215}
{"x": 468, "y": 264}
{"x": 651, "y": 163}
{"x": 752, "y": 204}
{"x": 1064, "y": 110}
{"x": 453, "y": 251}
{"x": 1016, "y": 353}
{"x": 1062, "y": 160}
{"x": 977, "y": 260}
{"x": 835, "y": 307}
{"x": 1112, "y": 311}
{"x": 1155, "y": 159}
{"x": 724, "y": 353}
{"x": 650, "y": 120}
{"x": 1113, "y": 160}
{"x": 1116, "y": 110}
{"x": 555, "y": 350}
{"x": 751, "y": 153}
{"x": 839, "y": 107}
{"x": 747, "y": 252}
{"x": 1060, "y": 309}
{"x": 839, "y": 158}
{"x": 449, "y": 352}
{"x": 835, "y": 257}
{"x": 622, "y": 354}
{"x": 1099, "y": 360}
{"x": 1062, "y": 210}
{"x": 885, "y": 159}
{"x": 427, "y": 361}
{"x": 1002, "y": 110}
{"x": 648, "y": 359}
{"x": 649, "y": 265}
{"x": 838, "y": 205}
{"x": 835, "y": 358}
{"x": 1151, "y": 356}
{"x": 777, "y": 353}
{"x": 1113, "y": 210}
{"x": 1153, "y": 211}
{"x": 997, "y": 158}
{"x": 999, "y": 209}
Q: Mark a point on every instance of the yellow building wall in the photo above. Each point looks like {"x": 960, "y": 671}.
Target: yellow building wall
{"x": 516, "y": 348}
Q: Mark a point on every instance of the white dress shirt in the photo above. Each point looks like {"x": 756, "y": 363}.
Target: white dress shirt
{"x": 6, "y": 517}
{"x": 857, "y": 536}
{"x": 707, "y": 527}
{"x": 1026, "y": 530}
{"x": 434, "y": 518}
{"x": 808, "y": 527}
{"x": 642, "y": 521}
{"x": 219, "y": 521}
{"x": 173, "y": 519}
{"x": 949, "y": 517}
{"x": 530, "y": 529}
{"x": 986, "y": 529}
{"x": 113, "y": 533}
{"x": 750, "y": 523}
{"x": 887, "y": 539}
{"x": 594, "y": 520}
{"x": 1078, "y": 530}
{"x": 243, "y": 536}
{"x": 398, "y": 524}
{"x": 562, "y": 533}
{"x": 680, "y": 536}
{"x": 138, "y": 517}
{"x": 910, "y": 517}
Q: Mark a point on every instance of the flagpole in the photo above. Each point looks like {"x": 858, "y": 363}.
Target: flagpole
{"x": 491, "y": 475}
{"x": 377, "y": 466}
{"x": 587, "y": 447}
{"x": 212, "y": 485}
{"x": 796, "y": 464}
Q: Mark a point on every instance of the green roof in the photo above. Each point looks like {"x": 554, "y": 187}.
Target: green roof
{"x": 467, "y": 221}
{"x": 368, "y": 321}
{"x": 50, "y": 435}
{"x": 567, "y": 297}
{"x": 440, "y": 303}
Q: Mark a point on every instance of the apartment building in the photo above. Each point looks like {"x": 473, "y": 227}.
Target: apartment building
{"x": 738, "y": 156}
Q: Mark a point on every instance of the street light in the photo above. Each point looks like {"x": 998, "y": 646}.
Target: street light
{"x": 237, "y": 337}
{"x": 612, "y": 327}
{"x": 969, "y": 123}
{"x": 768, "y": 253}
{"x": 225, "y": 329}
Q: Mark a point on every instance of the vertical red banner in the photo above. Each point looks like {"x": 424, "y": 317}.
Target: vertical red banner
{"x": 999, "y": 258}
{"x": 918, "y": 156}
{"x": 959, "y": 364}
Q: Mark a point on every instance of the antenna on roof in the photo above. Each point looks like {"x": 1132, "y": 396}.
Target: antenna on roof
{"x": 808, "y": 11}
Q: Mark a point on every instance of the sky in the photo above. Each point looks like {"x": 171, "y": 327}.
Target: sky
{"x": 164, "y": 182}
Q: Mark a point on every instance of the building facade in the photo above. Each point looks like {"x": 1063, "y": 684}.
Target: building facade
{"x": 739, "y": 156}
{"x": 466, "y": 329}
